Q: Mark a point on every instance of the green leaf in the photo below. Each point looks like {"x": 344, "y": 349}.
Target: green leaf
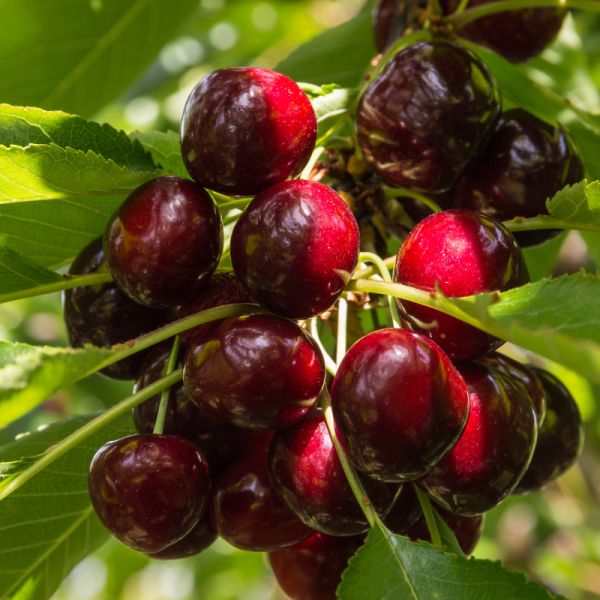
{"x": 541, "y": 259}
{"x": 390, "y": 567}
{"x": 47, "y": 172}
{"x": 449, "y": 540}
{"x": 30, "y": 374}
{"x": 330, "y": 106}
{"x": 76, "y": 56}
{"x": 165, "y": 150}
{"x": 577, "y": 204}
{"x": 21, "y": 273}
{"x": 48, "y": 525}
{"x": 592, "y": 241}
{"x": 24, "y": 126}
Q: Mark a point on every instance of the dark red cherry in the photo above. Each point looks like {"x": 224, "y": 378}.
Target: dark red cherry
{"x": 103, "y": 315}
{"x": 405, "y": 512}
{"x": 312, "y": 569}
{"x": 393, "y": 19}
{"x": 399, "y": 404}
{"x": 247, "y": 512}
{"x": 518, "y": 35}
{"x": 295, "y": 247}
{"x": 197, "y": 540}
{"x": 466, "y": 253}
{"x": 467, "y": 530}
{"x": 246, "y": 129}
{"x": 308, "y": 476}
{"x": 224, "y": 288}
{"x": 164, "y": 242}
{"x": 560, "y": 438}
{"x": 257, "y": 371}
{"x": 521, "y": 374}
{"x": 425, "y": 116}
{"x": 493, "y": 452}
{"x": 149, "y": 491}
{"x": 526, "y": 162}
{"x": 220, "y": 442}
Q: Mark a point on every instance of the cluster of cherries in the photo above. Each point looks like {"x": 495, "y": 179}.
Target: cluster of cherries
{"x": 245, "y": 452}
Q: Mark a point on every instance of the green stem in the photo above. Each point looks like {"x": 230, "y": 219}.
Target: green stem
{"x": 357, "y": 488}
{"x": 390, "y": 192}
{"x": 389, "y": 262}
{"x": 164, "y": 399}
{"x": 323, "y": 139}
{"x": 311, "y": 163}
{"x": 383, "y": 271}
{"x": 225, "y": 256}
{"x": 436, "y": 540}
{"x": 342, "y": 326}
{"x": 434, "y": 7}
{"x": 461, "y": 7}
{"x": 547, "y": 222}
{"x": 67, "y": 283}
{"x": 231, "y": 219}
{"x": 240, "y": 203}
{"x": 329, "y": 362}
{"x": 88, "y": 429}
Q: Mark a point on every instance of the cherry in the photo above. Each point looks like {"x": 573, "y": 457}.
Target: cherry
{"x": 197, "y": 540}
{"x": 247, "y": 512}
{"x": 465, "y": 253}
{"x": 426, "y": 115}
{"x": 493, "y": 452}
{"x": 526, "y": 162}
{"x": 519, "y": 373}
{"x": 560, "y": 438}
{"x": 220, "y": 442}
{"x": 257, "y": 371}
{"x": 405, "y": 512}
{"x": 103, "y": 315}
{"x": 312, "y": 569}
{"x": 295, "y": 247}
{"x": 518, "y": 35}
{"x": 308, "y": 476}
{"x": 467, "y": 530}
{"x": 149, "y": 491}
{"x": 399, "y": 404}
{"x": 224, "y": 288}
{"x": 164, "y": 242}
{"x": 246, "y": 129}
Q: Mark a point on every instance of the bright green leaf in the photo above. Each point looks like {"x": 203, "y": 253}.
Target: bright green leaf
{"x": 578, "y": 203}
{"x": 48, "y": 525}
{"x": 20, "y": 273}
{"x": 330, "y": 107}
{"x": 165, "y": 150}
{"x": 592, "y": 241}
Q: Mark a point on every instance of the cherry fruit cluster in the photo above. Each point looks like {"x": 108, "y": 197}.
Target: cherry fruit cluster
{"x": 243, "y": 450}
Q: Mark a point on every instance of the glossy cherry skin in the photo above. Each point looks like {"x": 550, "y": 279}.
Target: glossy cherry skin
{"x": 467, "y": 530}
{"x": 293, "y": 247}
{"x": 247, "y": 512}
{"x": 399, "y": 404}
{"x": 560, "y": 438}
{"x": 197, "y": 540}
{"x": 149, "y": 491}
{"x": 526, "y": 162}
{"x": 308, "y": 476}
{"x": 256, "y": 371}
{"x": 312, "y": 569}
{"x": 518, "y": 35}
{"x": 103, "y": 315}
{"x": 405, "y": 512}
{"x": 164, "y": 242}
{"x": 246, "y": 129}
{"x": 224, "y": 288}
{"x": 425, "y": 116}
{"x": 466, "y": 253}
{"x": 493, "y": 452}
{"x": 522, "y": 374}
{"x": 220, "y": 442}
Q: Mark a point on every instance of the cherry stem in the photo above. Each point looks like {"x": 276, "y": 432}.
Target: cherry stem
{"x": 547, "y": 222}
{"x": 389, "y": 262}
{"x": 231, "y": 219}
{"x": 461, "y": 7}
{"x": 329, "y": 362}
{"x": 164, "y": 399}
{"x": 436, "y": 539}
{"x": 241, "y": 203}
{"x": 390, "y": 192}
{"x": 312, "y": 162}
{"x": 88, "y": 429}
{"x": 357, "y": 488}
{"x": 342, "y": 325}
{"x": 385, "y": 274}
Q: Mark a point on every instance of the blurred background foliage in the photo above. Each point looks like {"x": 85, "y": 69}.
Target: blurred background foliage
{"x": 554, "y": 536}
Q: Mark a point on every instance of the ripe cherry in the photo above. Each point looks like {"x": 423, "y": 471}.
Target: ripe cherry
{"x": 425, "y": 116}
{"x": 312, "y": 569}
{"x": 399, "y": 404}
{"x": 493, "y": 452}
{"x": 257, "y": 371}
{"x": 308, "y": 476}
{"x": 465, "y": 253}
{"x": 246, "y": 129}
{"x": 560, "y": 438}
{"x": 164, "y": 242}
{"x": 103, "y": 315}
{"x": 149, "y": 491}
{"x": 295, "y": 247}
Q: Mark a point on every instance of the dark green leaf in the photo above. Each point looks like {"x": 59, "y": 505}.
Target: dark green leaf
{"x": 165, "y": 150}
{"x": 541, "y": 259}
{"x": 18, "y": 272}
{"x": 592, "y": 241}
{"x": 48, "y": 525}
{"x": 389, "y": 567}
{"x": 447, "y": 535}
